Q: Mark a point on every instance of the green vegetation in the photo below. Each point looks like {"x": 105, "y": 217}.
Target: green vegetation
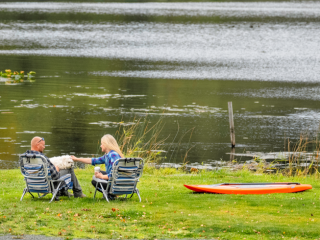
{"x": 167, "y": 210}
{"x": 16, "y": 76}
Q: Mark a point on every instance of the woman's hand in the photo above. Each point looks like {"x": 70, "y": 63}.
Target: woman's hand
{"x": 100, "y": 175}
{"x": 83, "y": 160}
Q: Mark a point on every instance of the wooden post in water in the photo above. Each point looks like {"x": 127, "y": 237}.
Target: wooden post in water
{"x": 232, "y": 132}
{"x": 232, "y": 154}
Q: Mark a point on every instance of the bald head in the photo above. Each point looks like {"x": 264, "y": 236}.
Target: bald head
{"x": 37, "y": 144}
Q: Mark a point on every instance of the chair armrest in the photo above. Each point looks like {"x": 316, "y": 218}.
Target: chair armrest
{"x": 63, "y": 178}
{"x": 32, "y": 176}
{"x": 58, "y": 180}
{"x": 128, "y": 179}
{"x": 99, "y": 179}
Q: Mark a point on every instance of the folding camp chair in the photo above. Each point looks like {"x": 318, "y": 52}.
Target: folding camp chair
{"x": 125, "y": 177}
{"x": 34, "y": 168}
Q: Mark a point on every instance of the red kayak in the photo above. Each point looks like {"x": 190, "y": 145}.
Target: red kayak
{"x": 250, "y": 188}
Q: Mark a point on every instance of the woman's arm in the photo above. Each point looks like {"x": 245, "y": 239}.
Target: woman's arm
{"x": 83, "y": 160}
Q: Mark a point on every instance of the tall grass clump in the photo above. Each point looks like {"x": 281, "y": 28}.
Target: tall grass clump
{"x": 299, "y": 158}
{"x": 303, "y": 156}
{"x": 142, "y": 139}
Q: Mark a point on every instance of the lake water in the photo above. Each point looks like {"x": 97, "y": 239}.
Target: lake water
{"x": 99, "y": 64}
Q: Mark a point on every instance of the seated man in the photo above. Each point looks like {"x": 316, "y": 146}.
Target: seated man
{"x": 37, "y": 147}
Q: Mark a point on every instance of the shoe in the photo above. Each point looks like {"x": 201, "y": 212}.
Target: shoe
{"x": 64, "y": 193}
{"x": 112, "y": 197}
{"x": 81, "y": 196}
{"x": 56, "y": 198}
{"x": 69, "y": 194}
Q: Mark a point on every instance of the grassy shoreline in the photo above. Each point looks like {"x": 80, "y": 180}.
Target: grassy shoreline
{"x": 167, "y": 210}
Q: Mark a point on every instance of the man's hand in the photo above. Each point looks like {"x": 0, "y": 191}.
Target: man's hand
{"x": 73, "y": 158}
{"x": 58, "y": 170}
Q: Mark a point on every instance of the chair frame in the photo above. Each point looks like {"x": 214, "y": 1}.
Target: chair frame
{"x": 34, "y": 159}
{"x": 110, "y": 182}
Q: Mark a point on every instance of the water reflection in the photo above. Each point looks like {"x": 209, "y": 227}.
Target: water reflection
{"x": 101, "y": 66}
{"x": 308, "y": 9}
{"x": 281, "y": 52}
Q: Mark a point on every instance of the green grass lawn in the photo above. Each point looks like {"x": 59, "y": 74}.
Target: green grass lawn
{"x": 167, "y": 210}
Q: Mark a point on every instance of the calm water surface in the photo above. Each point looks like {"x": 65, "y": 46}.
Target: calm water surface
{"x": 101, "y": 64}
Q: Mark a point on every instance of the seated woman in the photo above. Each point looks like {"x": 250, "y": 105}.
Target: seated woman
{"x": 110, "y": 146}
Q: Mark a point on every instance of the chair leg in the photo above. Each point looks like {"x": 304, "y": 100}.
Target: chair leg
{"x": 105, "y": 194}
{"x": 24, "y": 192}
{"x": 31, "y": 194}
{"x": 54, "y": 193}
{"x": 44, "y": 194}
{"x": 95, "y": 191}
{"x": 138, "y": 193}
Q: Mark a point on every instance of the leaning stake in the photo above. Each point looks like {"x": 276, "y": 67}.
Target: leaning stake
{"x": 232, "y": 132}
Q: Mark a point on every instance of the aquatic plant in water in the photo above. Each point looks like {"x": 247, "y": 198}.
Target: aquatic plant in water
{"x": 17, "y": 76}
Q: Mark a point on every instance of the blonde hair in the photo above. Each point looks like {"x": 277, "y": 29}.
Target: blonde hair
{"x": 108, "y": 141}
